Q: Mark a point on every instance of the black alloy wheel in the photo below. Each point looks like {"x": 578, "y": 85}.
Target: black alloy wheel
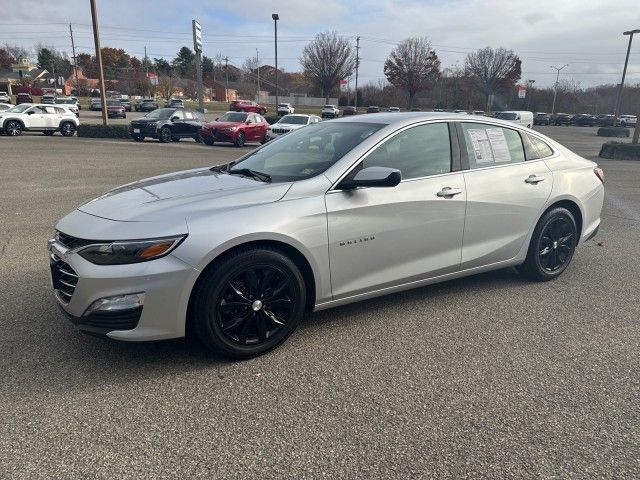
{"x": 67, "y": 129}
{"x": 239, "y": 140}
{"x": 13, "y": 128}
{"x": 249, "y": 303}
{"x": 165, "y": 135}
{"x": 552, "y": 245}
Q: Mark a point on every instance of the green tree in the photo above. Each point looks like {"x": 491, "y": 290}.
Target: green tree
{"x": 161, "y": 66}
{"x": 184, "y": 63}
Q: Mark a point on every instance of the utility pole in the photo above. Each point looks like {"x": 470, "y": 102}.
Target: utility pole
{"x": 197, "y": 46}
{"x": 258, "y": 68}
{"x": 555, "y": 88}
{"x": 75, "y": 62}
{"x": 357, "y": 66}
{"x": 275, "y": 18}
{"x": 226, "y": 72}
{"x": 530, "y": 82}
{"x": 624, "y": 73}
{"x": 96, "y": 39}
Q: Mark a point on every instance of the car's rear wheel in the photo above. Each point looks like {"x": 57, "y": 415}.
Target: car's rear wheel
{"x": 165, "y": 135}
{"x": 13, "y": 128}
{"x": 67, "y": 129}
{"x": 138, "y": 138}
{"x": 552, "y": 245}
{"x": 207, "y": 141}
{"x": 48, "y": 133}
{"x": 239, "y": 140}
{"x": 249, "y": 303}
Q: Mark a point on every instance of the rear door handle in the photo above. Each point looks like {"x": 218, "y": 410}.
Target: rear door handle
{"x": 533, "y": 179}
{"x": 449, "y": 192}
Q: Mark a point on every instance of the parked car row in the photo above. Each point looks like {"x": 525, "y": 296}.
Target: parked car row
{"x": 583, "y": 119}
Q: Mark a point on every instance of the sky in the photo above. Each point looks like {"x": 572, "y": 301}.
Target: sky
{"x": 586, "y": 34}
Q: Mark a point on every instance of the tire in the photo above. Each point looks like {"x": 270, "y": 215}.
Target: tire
{"x": 552, "y": 246}
{"x": 67, "y": 129}
{"x": 239, "y": 140}
{"x": 262, "y": 111}
{"x": 13, "y": 128}
{"x": 227, "y": 309}
{"x": 48, "y": 133}
{"x": 138, "y": 138}
{"x": 165, "y": 135}
{"x": 207, "y": 141}
{"x": 264, "y": 139}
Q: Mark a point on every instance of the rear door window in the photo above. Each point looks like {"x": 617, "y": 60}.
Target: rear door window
{"x": 490, "y": 145}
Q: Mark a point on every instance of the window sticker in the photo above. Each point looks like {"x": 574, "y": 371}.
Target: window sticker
{"x": 499, "y": 145}
{"x": 481, "y": 146}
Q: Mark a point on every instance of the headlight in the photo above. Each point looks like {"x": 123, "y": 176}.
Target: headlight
{"x": 130, "y": 251}
{"x": 229, "y": 129}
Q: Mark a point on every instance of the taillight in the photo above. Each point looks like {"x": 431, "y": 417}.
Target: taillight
{"x": 599, "y": 173}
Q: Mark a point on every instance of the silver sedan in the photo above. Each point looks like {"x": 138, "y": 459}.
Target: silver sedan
{"x": 333, "y": 213}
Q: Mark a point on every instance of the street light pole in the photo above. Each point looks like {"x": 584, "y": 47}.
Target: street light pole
{"x": 530, "y": 82}
{"x": 555, "y": 88}
{"x": 276, "y": 17}
{"x": 616, "y": 112}
{"x": 96, "y": 39}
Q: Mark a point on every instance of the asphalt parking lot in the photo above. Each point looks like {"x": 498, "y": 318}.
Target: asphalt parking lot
{"x": 485, "y": 377}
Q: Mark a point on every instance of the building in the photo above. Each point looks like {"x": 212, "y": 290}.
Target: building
{"x": 71, "y": 83}
{"x": 22, "y": 73}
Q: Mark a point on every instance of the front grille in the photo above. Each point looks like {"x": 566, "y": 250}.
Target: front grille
{"x": 64, "y": 278}
{"x": 71, "y": 242}
{"x": 280, "y": 131}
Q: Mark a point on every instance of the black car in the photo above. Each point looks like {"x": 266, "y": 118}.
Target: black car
{"x": 174, "y": 103}
{"x": 167, "y": 125}
{"x": 146, "y": 105}
{"x": 584, "y": 120}
{"x": 373, "y": 109}
{"x": 126, "y": 104}
{"x": 349, "y": 111}
{"x": 605, "y": 120}
{"x": 541, "y": 118}
{"x": 560, "y": 119}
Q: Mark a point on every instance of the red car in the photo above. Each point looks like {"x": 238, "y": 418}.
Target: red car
{"x": 236, "y": 128}
{"x": 247, "y": 106}
{"x": 116, "y": 109}
{"x": 23, "y": 98}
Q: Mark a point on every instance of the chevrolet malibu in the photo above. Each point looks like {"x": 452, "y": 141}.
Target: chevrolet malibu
{"x": 332, "y": 213}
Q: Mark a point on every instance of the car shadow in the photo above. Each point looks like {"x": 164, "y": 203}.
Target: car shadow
{"x": 43, "y": 351}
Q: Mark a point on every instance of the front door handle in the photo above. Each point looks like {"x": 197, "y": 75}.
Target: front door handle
{"x": 533, "y": 179}
{"x": 449, "y": 192}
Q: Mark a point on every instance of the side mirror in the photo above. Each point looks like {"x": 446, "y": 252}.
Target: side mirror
{"x": 174, "y": 118}
{"x": 248, "y": 122}
{"x": 373, "y": 177}
{"x": 30, "y": 112}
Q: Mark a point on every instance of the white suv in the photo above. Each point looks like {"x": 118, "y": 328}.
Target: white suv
{"x": 47, "y": 119}
{"x": 4, "y": 97}
{"x": 285, "y": 109}
{"x": 627, "y": 120}
{"x": 330, "y": 111}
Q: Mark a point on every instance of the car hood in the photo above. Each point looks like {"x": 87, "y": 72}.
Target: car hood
{"x": 147, "y": 120}
{"x": 290, "y": 126}
{"x": 183, "y": 194}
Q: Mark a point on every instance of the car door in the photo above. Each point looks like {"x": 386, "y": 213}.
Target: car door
{"x": 380, "y": 237}
{"x": 188, "y": 125}
{"x": 505, "y": 193}
{"x": 38, "y": 119}
{"x": 251, "y": 128}
{"x": 178, "y": 123}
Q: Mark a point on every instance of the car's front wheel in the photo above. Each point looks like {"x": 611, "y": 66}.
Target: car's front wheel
{"x": 552, "y": 245}
{"x": 249, "y": 303}
{"x": 13, "y": 128}
{"x": 239, "y": 140}
{"x": 67, "y": 129}
{"x": 165, "y": 135}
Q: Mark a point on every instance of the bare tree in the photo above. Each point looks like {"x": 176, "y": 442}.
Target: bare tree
{"x": 412, "y": 66}
{"x": 17, "y": 52}
{"x": 493, "y": 70}
{"x": 327, "y": 60}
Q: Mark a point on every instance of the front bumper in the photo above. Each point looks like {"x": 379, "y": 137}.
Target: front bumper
{"x": 165, "y": 282}
{"x": 145, "y": 130}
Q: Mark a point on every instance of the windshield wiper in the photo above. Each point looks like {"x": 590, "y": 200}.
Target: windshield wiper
{"x": 264, "y": 177}
{"x": 223, "y": 168}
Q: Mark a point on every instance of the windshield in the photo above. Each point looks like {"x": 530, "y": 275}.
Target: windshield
{"x": 308, "y": 151}
{"x": 506, "y": 115}
{"x": 237, "y": 117}
{"x": 113, "y": 103}
{"x": 329, "y": 106}
{"x": 160, "y": 113}
{"x": 19, "y": 108}
{"x": 294, "y": 119}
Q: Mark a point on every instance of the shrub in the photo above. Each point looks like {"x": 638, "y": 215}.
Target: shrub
{"x": 620, "y": 151}
{"x": 102, "y": 131}
{"x": 613, "y": 132}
